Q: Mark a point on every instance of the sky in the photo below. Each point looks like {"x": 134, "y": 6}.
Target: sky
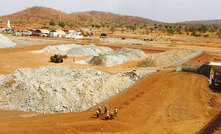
{"x": 170, "y": 11}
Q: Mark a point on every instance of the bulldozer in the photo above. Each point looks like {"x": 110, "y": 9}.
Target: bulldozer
{"x": 57, "y": 58}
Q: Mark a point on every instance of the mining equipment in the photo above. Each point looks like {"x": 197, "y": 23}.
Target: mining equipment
{"x": 57, "y": 58}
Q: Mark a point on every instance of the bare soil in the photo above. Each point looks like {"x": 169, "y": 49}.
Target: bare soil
{"x": 158, "y": 104}
{"x": 165, "y": 102}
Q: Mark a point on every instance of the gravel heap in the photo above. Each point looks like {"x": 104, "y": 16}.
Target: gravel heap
{"x": 62, "y": 89}
{"x": 76, "y": 50}
{"x": 164, "y": 59}
{"x": 117, "y": 57}
{"x": 88, "y": 50}
{"x": 5, "y": 42}
{"x": 58, "y": 49}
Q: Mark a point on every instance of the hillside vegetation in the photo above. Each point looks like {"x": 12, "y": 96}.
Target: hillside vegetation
{"x": 44, "y": 15}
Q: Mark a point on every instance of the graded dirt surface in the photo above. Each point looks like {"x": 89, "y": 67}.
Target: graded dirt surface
{"x": 202, "y": 58}
{"x": 163, "y": 103}
{"x": 158, "y": 104}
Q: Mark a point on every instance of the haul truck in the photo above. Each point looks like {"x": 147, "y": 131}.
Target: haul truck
{"x": 212, "y": 70}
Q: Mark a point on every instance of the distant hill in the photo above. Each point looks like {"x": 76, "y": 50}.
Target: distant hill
{"x": 37, "y": 15}
{"x": 44, "y": 15}
{"x": 107, "y": 17}
{"x": 204, "y": 22}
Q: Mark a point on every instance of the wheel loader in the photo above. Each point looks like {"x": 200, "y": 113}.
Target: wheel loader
{"x": 57, "y": 58}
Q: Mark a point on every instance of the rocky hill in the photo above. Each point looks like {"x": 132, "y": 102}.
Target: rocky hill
{"x": 37, "y": 15}
{"x": 107, "y": 17}
{"x": 43, "y": 15}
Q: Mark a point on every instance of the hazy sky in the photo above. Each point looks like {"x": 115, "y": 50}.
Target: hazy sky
{"x": 160, "y": 10}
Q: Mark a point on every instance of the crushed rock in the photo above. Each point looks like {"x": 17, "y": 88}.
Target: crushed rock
{"x": 164, "y": 59}
{"x": 76, "y": 50}
{"x": 117, "y": 57}
{"x": 5, "y": 42}
{"x": 62, "y": 89}
{"x": 88, "y": 50}
{"x": 58, "y": 48}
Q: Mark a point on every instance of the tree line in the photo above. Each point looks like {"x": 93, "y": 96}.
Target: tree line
{"x": 192, "y": 30}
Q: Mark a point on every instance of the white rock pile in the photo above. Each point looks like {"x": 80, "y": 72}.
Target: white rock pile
{"x": 5, "y": 42}
{"x": 58, "y": 48}
{"x": 88, "y": 50}
{"x": 61, "y": 89}
{"x": 117, "y": 57}
{"x": 76, "y": 50}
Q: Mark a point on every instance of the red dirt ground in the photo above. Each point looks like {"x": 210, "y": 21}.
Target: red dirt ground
{"x": 202, "y": 59}
{"x": 165, "y": 102}
{"x": 158, "y": 104}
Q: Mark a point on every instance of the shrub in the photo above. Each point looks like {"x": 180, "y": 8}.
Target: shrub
{"x": 52, "y": 23}
{"x": 171, "y": 30}
{"x": 62, "y": 24}
{"x": 193, "y": 33}
{"x": 206, "y": 35}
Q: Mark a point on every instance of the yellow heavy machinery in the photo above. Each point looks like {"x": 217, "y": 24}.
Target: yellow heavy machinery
{"x": 212, "y": 70}
{"x": 215, "y": 73}
{"x": 57, "y": 58}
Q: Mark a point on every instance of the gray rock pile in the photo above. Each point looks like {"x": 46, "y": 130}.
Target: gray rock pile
{"x": 76, "y": 50}
{"x": 5, "y": 42}
{"x": 88, "y": 50}
{"x": 61, "y": 89}
{"x": 58, "y": 48}
{"x": 117, "y": 57}
{"x": 164, "y": 59}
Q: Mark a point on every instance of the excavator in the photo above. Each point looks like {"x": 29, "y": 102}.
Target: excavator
{"x": 57, "y": 58}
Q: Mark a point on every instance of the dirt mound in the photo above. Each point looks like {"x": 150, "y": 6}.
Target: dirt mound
{"x": 61, "y": 89}
{"x": 5, "y": 42}
{"x": 117, "y": 57}
{"x": 164, "y": 59}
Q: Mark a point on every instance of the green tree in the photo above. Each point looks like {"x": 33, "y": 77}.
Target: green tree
{"x": 193, "y": 33}
{"x": 171, "y": 30}
{"x": 193, "y": 28}
{"x": 97, "y": 26}
{"x": 62, "y": 24}
{"x": 203, "y": 28}
{"x": 52, "y": 23}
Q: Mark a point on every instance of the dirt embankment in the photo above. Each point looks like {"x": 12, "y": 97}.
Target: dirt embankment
{"x": 163, "y": 103}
